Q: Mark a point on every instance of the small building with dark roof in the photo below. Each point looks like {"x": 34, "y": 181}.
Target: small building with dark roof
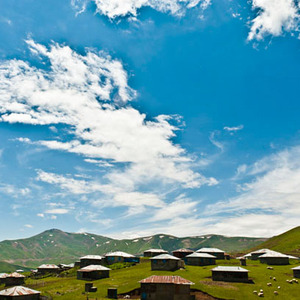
{"x": 230, "y": 274}
{"x": 3, "y": 277}
{"x": 296, "y": 272}
{"x": 181, "y": 253}
{"x": 119, "y": 257}
{"x": 165, "y": 287}
{"x": 48, "y": 268}
{"x": 14, "y": 279}
{"x": 93, "y": 272}
{"x": 19, "y": 293}
{"x": 219, "y": 254}
{"x": 166, "y": 262}
{"x": 200, "y": 259}
{"x": 154, "y": 252}
{"x": 274, "y": 258}
{"x": 91, "y": 260}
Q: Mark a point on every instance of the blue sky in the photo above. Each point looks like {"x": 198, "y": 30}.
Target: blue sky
{"x": 130, "y": 118}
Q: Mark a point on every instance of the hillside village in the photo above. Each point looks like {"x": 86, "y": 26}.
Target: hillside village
{"x": 205, "y": 273}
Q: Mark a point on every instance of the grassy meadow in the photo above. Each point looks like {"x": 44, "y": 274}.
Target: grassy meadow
{"x": 127, "y": 279}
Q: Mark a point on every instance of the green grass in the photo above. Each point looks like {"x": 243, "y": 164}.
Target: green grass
{"x": 8, "y": 268}
{"x": 127, "y": 279}
{"x": 288, "y": 242}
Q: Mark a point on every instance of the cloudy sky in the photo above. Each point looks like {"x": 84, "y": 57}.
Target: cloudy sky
{"x": 128, "y": 118}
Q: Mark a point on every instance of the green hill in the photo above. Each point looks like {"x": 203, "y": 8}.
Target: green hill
{"x": 287, "y": 242}
{"x": 56, "y": 246}
{"x": 6, "y": 267}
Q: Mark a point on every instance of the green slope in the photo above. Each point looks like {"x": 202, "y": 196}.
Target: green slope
{"x": 287, "y": 242}
{"x": 56, "y": 246}
{"x": 127, "y": 279}
{"x": 6, "y": 267}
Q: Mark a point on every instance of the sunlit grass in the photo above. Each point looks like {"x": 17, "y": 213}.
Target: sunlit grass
{"x": 127, "y": 279}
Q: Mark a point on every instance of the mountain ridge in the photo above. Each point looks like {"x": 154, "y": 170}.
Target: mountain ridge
{"x": 57, "y": 246}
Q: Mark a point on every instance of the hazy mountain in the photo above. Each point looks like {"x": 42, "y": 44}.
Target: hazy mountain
{"x": 56, "y": 246}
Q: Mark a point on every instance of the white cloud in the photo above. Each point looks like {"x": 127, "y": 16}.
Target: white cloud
{"x": 273, "y": 195}
{"x": 57, "y": 211}
{"x": 90, "y": 95}
{"x": 273, "y": 17}
{"x": 28, "y": 226}
{"x": 121, "y": 8}
{"x": 74, "y": 186}
{"x": 13, "y": 190}
{"x": 234, "y": 128}
{"x": 179, "y": 208}
{"x": 215, "y": 142}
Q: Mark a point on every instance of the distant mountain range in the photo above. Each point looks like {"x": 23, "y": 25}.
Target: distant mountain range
{"x": 56, "y": 246}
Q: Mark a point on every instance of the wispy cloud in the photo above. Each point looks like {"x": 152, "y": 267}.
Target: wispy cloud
{"x": 214, "y": 140}
{"x": 57, "y": 211}
{"x": 121, "y": 8}
{"x": 273, "y": 195}
{"x": 90, "y": 95}
{"x": 234, "y": 128}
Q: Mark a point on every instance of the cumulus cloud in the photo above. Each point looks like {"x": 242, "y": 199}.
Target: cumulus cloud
{"x": 121, "y": 8}
{"x": 90, "y": 96}
{"x": 273, "y": 17}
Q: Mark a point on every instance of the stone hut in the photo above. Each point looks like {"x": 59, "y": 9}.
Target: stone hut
{"x": 165, "y": 287}
{"x": 166, "y": 262}
{"x": 256, "y": 254}
{"x": 91, "y": 260}
{"x": 119, "y": 257}
{"x": 231, "y": 274}
{"x": 93, "y": 272}
{"x": 200, "y": 259}
{"x": 19, "y": 293}
{"x": 3, "y": 277}
{"x": 296, "y": 272}
{"x": 181, "y": 253}
{"x": 14, "y": 279}
{"x": 274, "y": 258}
{"x": 219, "y": 254}
{"x": 154, "y": 252}
{"x": 65, "y": 267}
{"x": 48, "y": 268}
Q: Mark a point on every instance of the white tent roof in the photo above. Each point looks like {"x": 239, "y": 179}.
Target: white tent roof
{"x": 165, "y": 256}
{"x": 48, "y": 266}
{"x": 229, "y": 269}
{"x": 119, "y": 253}
{"x": 156, "y": 250}
{"x": 215, "y": 250}
{"x": 91, "y": 268}
{"x": 92, "y": 257}
{"x": 200, "y": 254}
{"x": 18, "y": 291}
